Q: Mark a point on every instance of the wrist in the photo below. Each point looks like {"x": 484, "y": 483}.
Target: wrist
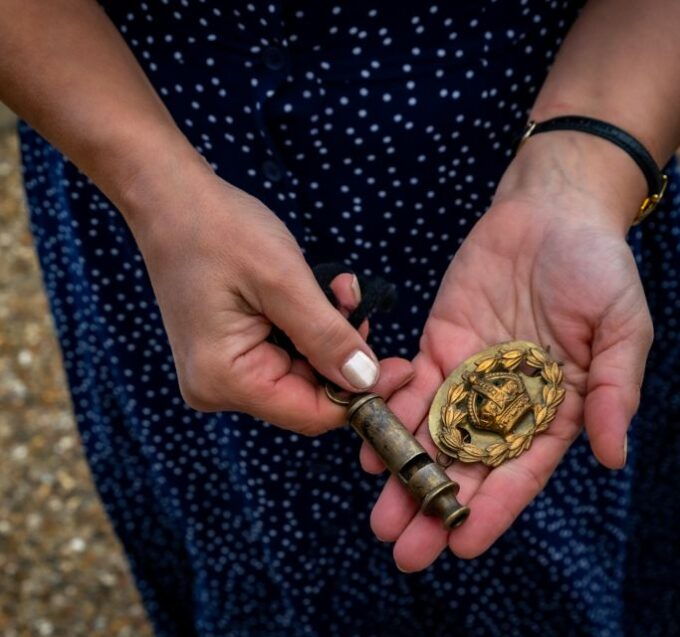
{"x": 156, "y": 182}
{"x": 580, "y": 175}
{"x": 621, "y": 115}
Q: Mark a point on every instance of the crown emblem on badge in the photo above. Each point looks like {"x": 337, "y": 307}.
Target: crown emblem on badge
{"x": 496, "y": 402}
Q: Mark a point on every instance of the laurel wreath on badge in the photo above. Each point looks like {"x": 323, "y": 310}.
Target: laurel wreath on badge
{"x": 453, "y": 440}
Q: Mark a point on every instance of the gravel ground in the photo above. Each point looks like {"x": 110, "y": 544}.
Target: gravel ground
{"x": 62, "y": 571}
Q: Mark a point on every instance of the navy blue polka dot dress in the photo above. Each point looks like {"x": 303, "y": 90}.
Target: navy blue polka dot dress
{"x": 377, "y": 131}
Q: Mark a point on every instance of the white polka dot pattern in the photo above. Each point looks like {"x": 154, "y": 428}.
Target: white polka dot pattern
{"x": 377, "y": 131}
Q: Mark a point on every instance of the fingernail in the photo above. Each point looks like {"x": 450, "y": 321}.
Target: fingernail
{"x": 360, "y": 370}
{"x": 356, "y": 289}
{"x": 625, "y": 450}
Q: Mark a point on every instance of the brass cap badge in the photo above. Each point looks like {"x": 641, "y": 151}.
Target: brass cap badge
{"x": 492, "y": 405}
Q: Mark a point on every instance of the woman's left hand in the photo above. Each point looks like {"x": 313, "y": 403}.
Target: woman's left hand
{"x": 546, "y": 264}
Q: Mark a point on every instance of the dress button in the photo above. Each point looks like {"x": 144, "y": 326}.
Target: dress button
{"x": 272, "y": 170}
{"x": 273, "y": 58}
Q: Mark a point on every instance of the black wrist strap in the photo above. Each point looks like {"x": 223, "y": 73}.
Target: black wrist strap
{"x": 656, "y": 180}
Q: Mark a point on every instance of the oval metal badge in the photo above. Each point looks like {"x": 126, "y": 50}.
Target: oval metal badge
{"x": 493, "y": 404}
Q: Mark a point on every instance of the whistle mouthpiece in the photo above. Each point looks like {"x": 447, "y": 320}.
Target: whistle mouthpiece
{"x": 406, "y": 458}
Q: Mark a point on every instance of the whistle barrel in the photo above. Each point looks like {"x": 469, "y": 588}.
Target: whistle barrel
{"x": 405, "y": 457}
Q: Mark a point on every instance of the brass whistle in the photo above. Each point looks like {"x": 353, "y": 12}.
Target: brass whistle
{"x": 406, "y": 458}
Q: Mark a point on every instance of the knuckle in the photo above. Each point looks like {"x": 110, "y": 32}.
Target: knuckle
{"x": 280, "y": 278}
{"x": 330, "y": 335}
{"x": 270, "y": 278}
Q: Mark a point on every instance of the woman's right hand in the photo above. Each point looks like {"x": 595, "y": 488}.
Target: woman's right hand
{"x": 224, "y": 268}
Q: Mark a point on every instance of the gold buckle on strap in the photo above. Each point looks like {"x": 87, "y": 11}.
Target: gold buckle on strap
{"x": 651, "y": 202}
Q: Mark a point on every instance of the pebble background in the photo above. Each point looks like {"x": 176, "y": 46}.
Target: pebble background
{"x": 62, "y": 571}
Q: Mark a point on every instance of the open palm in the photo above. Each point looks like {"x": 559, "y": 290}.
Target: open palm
{"x": 565, "y": 283}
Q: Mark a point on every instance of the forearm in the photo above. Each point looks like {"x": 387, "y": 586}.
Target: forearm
{"x": 66, "y": 70}
{"x": 620, "y": 62}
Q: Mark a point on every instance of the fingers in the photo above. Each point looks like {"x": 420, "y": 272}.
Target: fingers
{"x": 396, "y": 508}
{"x": 396, "y": 517}
{"x": 347, "y": 292}
{"x": 292, "y": 300}
{"x": 370, "y": 461}
{"x": 290, "y": 395}
{"x": 425, "y": 537}
{"x": 410, "y": 404}
{"x": 394, "y": 373}
{"x": 508, "y": 489}
{"x": 261, "y": 379}
{"x": 420, "y": 544}
{"x": 495, "y": 497}
{"x": 264, "y": 382}
{"x": 293, "y": 399}
{"x": 413, "y": 402}
{"x": 613, "y": 393}
{"x": 392, "y": 511}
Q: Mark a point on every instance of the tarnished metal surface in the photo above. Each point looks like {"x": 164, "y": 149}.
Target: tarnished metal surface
{"x": 406, "y": 458}
{"x": 493, "y": 404}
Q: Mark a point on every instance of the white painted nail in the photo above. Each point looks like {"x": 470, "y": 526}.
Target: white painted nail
{"x": 356, "y": 289}
{"x": 360, "y": 370}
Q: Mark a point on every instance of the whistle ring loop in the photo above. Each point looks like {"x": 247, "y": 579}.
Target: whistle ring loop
{"x": 335, "y": 396}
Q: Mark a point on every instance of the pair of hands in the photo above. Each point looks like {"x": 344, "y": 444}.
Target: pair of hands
{"x": 548, "y": 262}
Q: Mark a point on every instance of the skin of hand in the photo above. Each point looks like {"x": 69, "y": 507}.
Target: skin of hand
{"x": 548, "y": 262}
{"x": 224, "y": 268}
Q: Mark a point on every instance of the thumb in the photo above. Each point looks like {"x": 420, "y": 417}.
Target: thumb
{"x": 297, "y": 305}
{"x": 613, "y": 394}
